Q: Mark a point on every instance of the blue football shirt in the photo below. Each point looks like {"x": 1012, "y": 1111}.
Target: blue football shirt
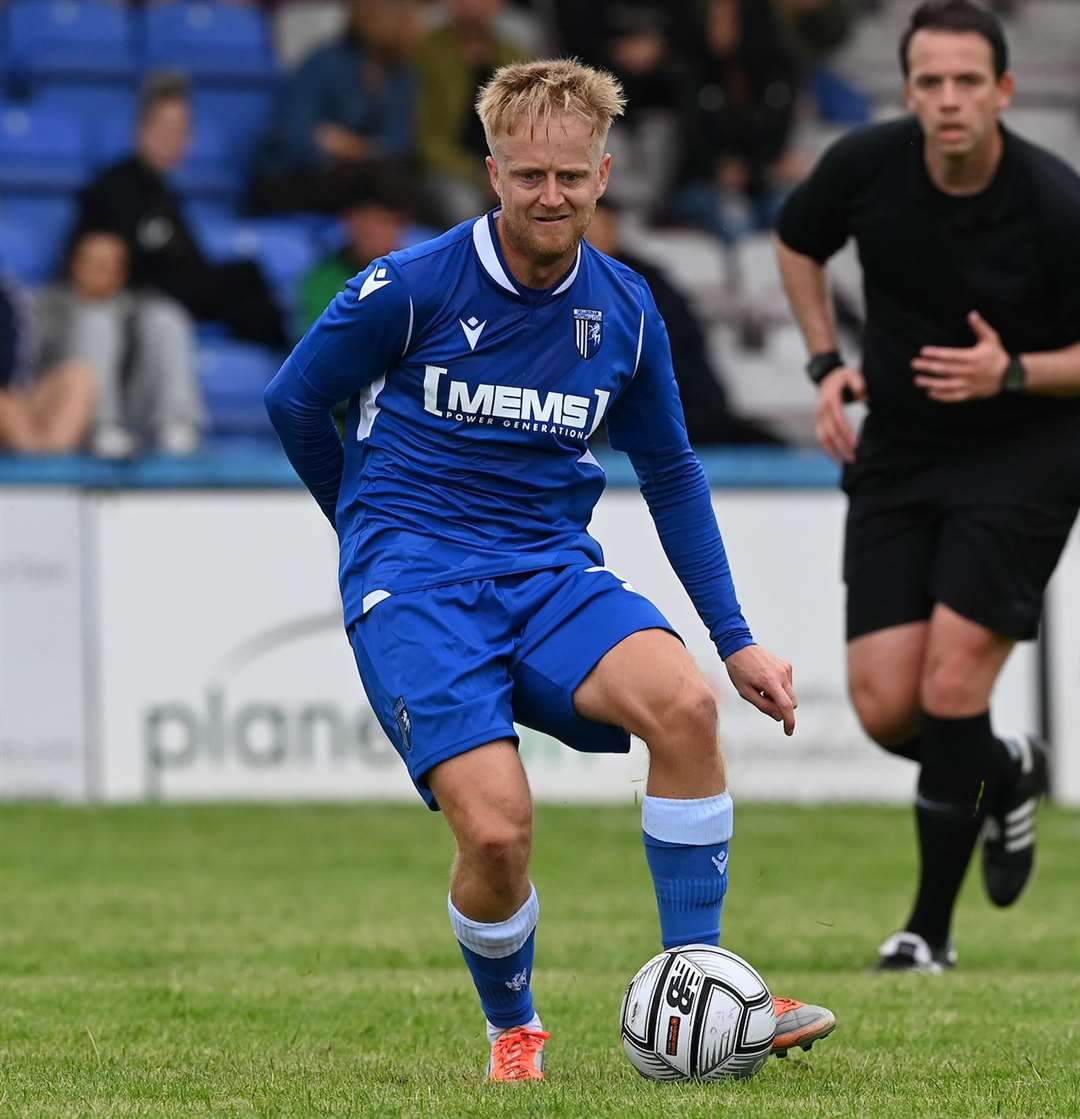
{"x": 471, "y": 403}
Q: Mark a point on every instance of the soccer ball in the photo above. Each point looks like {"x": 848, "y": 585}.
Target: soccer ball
{"x": 697, "y": 1013}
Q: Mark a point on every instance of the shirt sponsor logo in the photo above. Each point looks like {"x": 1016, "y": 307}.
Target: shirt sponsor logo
{"x": 556, "y": 413}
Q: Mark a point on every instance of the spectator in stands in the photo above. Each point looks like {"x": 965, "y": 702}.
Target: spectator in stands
{"x": 374, "y": 225}
{"x": 351, "y": 102}
{"x": 631, "y": 38}
{"x": 708, "y": 418}
{"x": 738, "y": 112}
{"x": 137, "y": 344}
{"x": 42, "y": 410}
{"x": 133, "y": 199}
{"x": 637, "y": 41}
{"x": 817, "y": 27}
{"x": 453, "y": 62}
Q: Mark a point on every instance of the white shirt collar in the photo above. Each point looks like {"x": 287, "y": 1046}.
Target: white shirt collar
{"x": 484, "y": 244}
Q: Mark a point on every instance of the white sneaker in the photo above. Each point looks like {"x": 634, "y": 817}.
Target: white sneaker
{"x": 178, "y": 439}
{"x": 111, "y": 441}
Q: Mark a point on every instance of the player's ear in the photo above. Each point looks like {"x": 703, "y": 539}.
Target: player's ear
{"x": 908, "y": 103}
{"x": 603, "y": 171}
{"x": 1006, "y": 87}
{"x": 493, "y": 174}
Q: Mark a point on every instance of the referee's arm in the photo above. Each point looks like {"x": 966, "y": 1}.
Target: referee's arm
{"x": 806, "y": 285}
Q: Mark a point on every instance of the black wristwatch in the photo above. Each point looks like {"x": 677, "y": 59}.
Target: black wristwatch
{"x": 821, "y": 365}
{"x": 1015, "y": 379}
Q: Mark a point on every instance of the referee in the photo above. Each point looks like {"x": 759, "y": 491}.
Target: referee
{"x": 964, "y": 481}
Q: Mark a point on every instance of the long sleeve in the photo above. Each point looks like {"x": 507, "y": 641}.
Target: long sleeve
{"x": 647, "y": 423}
{"x": 359, "y": 337}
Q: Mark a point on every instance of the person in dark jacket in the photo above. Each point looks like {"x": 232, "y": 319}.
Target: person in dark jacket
{"x": 133, "y": 198}
{"x": 351, "y": 102}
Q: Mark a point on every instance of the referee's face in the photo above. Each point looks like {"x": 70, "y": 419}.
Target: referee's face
{"x": 548, "y": 181}
{"x": 952, "y": 88}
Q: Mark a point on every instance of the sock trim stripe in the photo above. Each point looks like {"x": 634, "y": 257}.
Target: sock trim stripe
{"x": 497, "y": 939}
{"x": 695, "y": 823}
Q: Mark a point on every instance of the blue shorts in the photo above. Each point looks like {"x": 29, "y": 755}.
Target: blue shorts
{"x": 452, "y": 668}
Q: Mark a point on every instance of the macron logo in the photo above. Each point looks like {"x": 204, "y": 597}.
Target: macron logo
{"x": 472, "y": 329}
{"x": 376, "y": 279}
{"x": 720, "y": 862}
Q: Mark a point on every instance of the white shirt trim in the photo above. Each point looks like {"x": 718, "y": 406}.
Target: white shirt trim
{"x": 489, "y": 258}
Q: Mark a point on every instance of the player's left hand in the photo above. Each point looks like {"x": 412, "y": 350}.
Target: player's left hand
{"x": 951, "y": 375}
{"x": 765, "y": 680}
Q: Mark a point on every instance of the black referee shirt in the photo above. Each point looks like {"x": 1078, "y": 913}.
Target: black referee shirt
{"x": 1011, "y": 252}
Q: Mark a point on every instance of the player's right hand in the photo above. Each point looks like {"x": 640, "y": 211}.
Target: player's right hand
{"x": 834, "y": 433}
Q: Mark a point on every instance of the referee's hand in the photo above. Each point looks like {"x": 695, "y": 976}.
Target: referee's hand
{"x": 954, "y": 374}
{"x": 765, "y": 680}
{"x": 834, "y": 433}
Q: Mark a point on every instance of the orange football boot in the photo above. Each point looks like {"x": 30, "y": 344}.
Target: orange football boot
{"x": 518, "y": 1054}
{"x": 799, "y": 1023}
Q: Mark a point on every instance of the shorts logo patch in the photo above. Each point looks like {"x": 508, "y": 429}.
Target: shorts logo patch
{"x": 404, "y": 723}
{"x": 588, "y": 331}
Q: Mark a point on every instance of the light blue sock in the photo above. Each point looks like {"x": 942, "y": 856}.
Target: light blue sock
{"x": 500, "y": 957}
{"x": 686, "y": 845}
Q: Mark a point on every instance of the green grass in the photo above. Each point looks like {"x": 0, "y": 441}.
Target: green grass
{"x": 176, "y": 961}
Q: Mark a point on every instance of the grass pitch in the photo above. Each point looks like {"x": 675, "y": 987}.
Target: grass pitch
{"x": 234, "y": 961}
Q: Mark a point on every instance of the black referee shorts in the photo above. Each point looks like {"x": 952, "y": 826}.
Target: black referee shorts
{"x": 979, "y": 526}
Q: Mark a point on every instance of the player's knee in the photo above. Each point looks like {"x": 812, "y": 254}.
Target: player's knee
{"x": 686, "y": 722}
{"x": 888, "y": 714}
{"x": 501, "y": 847}
{"x": 948, "y": 685}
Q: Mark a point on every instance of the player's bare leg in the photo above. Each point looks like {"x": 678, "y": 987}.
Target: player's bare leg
{"x": 651, "y": 686}
{"x": 484, "y": 795}
{"x": 923, "y": 691}
{"x": 884, "y": 672}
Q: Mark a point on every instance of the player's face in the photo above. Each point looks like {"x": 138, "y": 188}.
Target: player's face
{"x": 548, "y": 182}
{"x": 953, "y": 90}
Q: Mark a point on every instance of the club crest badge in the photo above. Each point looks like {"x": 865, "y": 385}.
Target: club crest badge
{"x": 588, "y": 331}
{"x": 404, "y": 722}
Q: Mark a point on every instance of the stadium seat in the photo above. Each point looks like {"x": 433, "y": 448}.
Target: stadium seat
{"x": 49, "y": 221}
{"x": 233, "y": 376}
{"x": 242, "y": 114}
{"x": 105, "y": 113}
{"x": 76, "y": 40}
{"x": 41, "y": 149}
{"x": 227, "y": 44}
{"x": 212, "y": 169}
{"x": 23, "y": 253}
{"x": 283, "y": 249}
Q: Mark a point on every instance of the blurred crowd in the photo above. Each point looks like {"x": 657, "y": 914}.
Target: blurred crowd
{"x": 244, "y": 192}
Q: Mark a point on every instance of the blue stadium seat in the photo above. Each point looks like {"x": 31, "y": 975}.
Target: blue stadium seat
{"x": 23, "y": 253}
{"x": 75, "y": 40}
{"x": 106, "y": 115}
{"x": 212, "y": 169}
{"x": 242, "y": 114}
{"x": 283, "y": 249}
{"x": 49, "y": 221}
{"x": 41, "y": 149}
{"x": 228, "y": 44}
{"x": 233, "y": 376}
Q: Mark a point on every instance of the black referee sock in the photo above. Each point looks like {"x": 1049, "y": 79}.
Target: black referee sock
{"x": 963, "y": 767}
{"x": 910, "y": 748}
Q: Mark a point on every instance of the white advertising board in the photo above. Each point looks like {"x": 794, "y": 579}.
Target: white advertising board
{"x": 225, "y": 672}
{"x": 42, "y": 694}
{"x": 1063, "y": 672}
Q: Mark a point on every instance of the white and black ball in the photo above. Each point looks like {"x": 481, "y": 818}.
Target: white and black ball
{"x": 697, "y": 1013}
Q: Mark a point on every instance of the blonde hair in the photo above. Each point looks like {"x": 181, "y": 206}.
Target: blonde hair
{"x": 534, "y": 92}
